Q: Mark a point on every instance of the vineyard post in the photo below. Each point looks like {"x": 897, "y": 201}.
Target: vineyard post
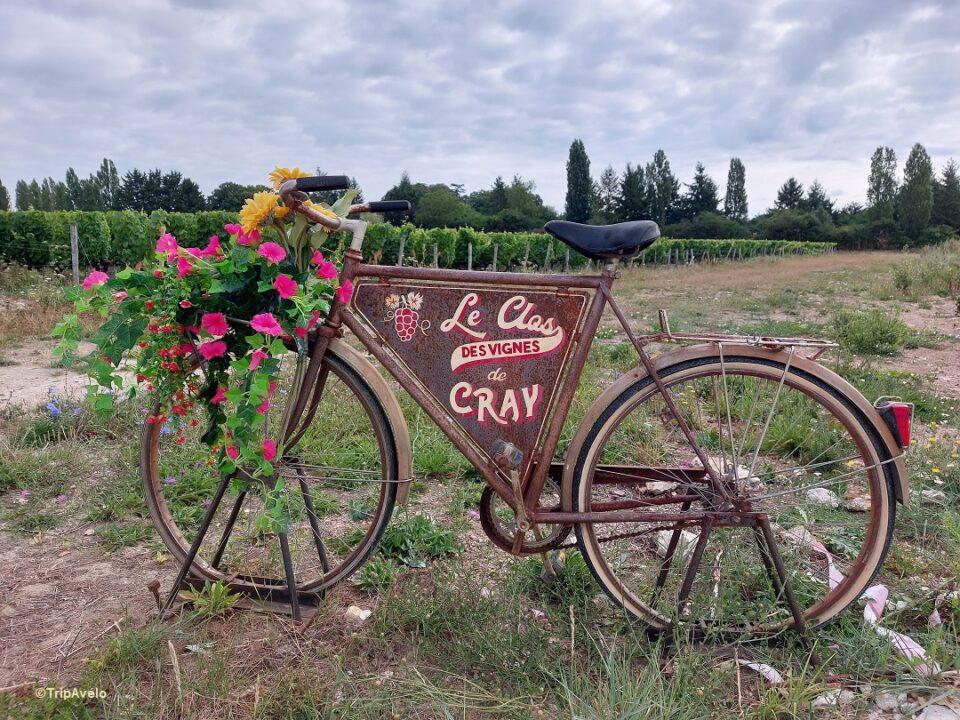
{"x": 469, "y": 256}
{"x": 436, "y": 254}
{"x": 75, "y": 253}
{"x": 403, "y": 241}
{"x": 566, "y": 261}
{"x": 496, "y": 248}
{"x": 526, "y": 256}
{"x": 546, "y": 258}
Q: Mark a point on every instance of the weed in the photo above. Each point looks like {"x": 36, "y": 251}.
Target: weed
{"x": 416, "y": 539}
{"x": 871, "y": 332}
{"x": 377, "y": 574}
{"x": 211, "y": 601}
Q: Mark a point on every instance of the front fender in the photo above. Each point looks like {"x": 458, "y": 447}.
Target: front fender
{"x": 821, "y": 373}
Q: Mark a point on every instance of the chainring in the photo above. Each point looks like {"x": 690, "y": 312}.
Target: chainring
{"x": 498, "y": 522}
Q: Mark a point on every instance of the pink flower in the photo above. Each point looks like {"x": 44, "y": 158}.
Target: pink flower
{"x": 232, "y": 452}
{"x": 327, "y": 270}
{"x": 264, "y": 407}
{"x": 219, "y": 396}
{"x": 269, "y": 450}
{"x": 215, "y": 324}
{"x": 255, "y": 359}
{"x": 233, "y": 229}
{"x": 345, "y": 291}
{"x": 122, "y": 295}
{"x": 267, "y": 324}
{"x": 195, "y": 251}
{"x": 183, "y": 267}
{"x": 212, "y": 248}
{"x": 285, "y": 285}
{"x": 251, "y": 238}
{"x": 167, "y": 243}
{"x": 213, "y": 349}
{"x": 317, "y": 257}
{"x": 300, "y": 331}
{"x": 95, "y": 278}
{"x": 272, "y": 252}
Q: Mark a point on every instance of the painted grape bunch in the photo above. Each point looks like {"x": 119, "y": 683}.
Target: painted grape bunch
{"x": 406, "y": 319}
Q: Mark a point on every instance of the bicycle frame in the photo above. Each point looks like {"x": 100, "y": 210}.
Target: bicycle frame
{"x": 534, "y": 473}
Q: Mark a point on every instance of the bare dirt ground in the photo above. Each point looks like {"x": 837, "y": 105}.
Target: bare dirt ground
{"x": 940, "y": 365}
{"x": 28, "y": 373}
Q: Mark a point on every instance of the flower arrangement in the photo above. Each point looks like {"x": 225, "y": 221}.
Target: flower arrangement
{"x": 203, "y": 328}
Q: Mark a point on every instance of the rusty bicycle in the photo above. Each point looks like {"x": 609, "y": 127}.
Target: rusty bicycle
{"x": 727, "y": 484}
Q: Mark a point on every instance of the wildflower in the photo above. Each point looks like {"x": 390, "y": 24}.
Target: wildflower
{"x": 54, "y": 410}
{"x": 95, "y": 278}
{"x": 272, "y": 252}
{"x": 219, "y": 396}
{"x": 61, "y": 498}
{"x": 285, "y": 285}
{"x": 345, "y": 291}
{"x": 215, "y": 324}
{"x": 269, "y": 449}
{"x": 77, "y": 411}
{"x": 169, "y": 480}
{"x": 281, "y": 174}
{"x": 327, "y": 270}
{"x": 256, "y": 357}
{"x": 213, "y": 349}
{"x": 206, "y": 504}
{"x": 267, "y": 324}
{"x": 936, "y": 471}
{"x": 25, "y": 493}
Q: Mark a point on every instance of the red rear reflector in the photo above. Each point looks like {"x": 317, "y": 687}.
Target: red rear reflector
{"x": 901, "y": 414}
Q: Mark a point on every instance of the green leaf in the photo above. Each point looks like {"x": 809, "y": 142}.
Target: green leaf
{"x": 342, "y": 205}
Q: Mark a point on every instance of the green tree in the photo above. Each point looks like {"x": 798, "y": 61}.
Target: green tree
{"x": 439, "y": 206}
{"x": 4, "y": 197}
{"x": 24, "y": 198}
{"x": 607, "y": 194}
{"x": 735, "y": 200}
{"x": 73, "y": 188}
{"x": 108, "y": 180}
{"x": 632, "y": 199}
{"x": 579, "y": 184}
{"x": 61, "y": 197}
{"x": 46, "y": 195}
{"x": 946, "y": 197}
{"x": 231, "y": 196}
{"x": 790, "y": 195}
{"x": 404, "y": 190}
{"x": 702, "y": 195}
{"x": 882, "y": 182}
{"x": 817, "y": 199}
{"x": 661, "y": 187}
{"x": 188, "y": 197}
{"x": 498, "y": 197}
{"x": 915, "y": 201}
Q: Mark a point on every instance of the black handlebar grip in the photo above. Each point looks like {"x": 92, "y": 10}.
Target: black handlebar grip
{"x": 323, "y": 182}
{"x": 390, "y": 206}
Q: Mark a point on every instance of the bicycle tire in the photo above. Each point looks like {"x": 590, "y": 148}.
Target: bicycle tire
{"x": 354, "y": 518}
{"x": 630, "y": 569}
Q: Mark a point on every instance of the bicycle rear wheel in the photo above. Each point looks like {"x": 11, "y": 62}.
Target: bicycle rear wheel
{"x": 340, "y": 478}
{"x": 786, "y": 442}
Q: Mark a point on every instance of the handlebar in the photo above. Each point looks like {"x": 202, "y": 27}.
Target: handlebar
{"x": 323, "y": 182}
{"x": 379, "y": 206}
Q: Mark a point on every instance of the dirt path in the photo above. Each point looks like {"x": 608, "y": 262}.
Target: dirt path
{"x": 940, "y": 366}
{"x": 28, "y": 374}
{"x": 61, "y": 596}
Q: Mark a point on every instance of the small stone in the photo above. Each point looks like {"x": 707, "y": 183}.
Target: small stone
{"x": 938, "y": 712}
{"x": 685, "y": 543}
{"x": 886, "y": 701}
{"x": 91, "y": 531}
{"x": 822, "y": 496}
{"x": 933, "y": 497}
{"x": 831, "y": 698}
{"x": 857, "y": 504}
{"x": 356, "y": 614}
{"x": 660, "y": 487}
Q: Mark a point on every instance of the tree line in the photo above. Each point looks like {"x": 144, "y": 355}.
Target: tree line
{"x": 923, "y": 207}
{"x": 918, "y": 208}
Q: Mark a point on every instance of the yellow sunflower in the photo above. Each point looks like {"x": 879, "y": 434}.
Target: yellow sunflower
{"x": 256, "y": 210}
{"x": 320, "y": 209}
{"x": 280, "y": 175}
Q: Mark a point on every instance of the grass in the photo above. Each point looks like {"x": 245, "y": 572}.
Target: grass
{"x": 474, "y": 633}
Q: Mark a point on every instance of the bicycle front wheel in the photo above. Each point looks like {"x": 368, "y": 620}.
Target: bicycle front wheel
{"x": 340, "y": 480}
{"x": 784, "y": 442}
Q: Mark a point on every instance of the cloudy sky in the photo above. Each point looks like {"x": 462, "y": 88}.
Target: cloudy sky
{"x": 457, "y": 91}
